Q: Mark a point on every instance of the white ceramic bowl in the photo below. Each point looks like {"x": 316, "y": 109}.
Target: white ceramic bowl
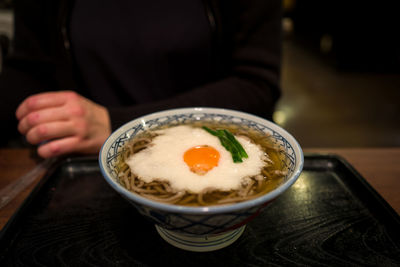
{"x": 200, "y": 228}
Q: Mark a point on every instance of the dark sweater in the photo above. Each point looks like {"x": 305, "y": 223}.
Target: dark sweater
{"x": 131, "y": 52}
{"x": 239, "y": 66}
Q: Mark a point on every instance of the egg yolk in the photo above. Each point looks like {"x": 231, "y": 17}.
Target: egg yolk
{"x": 201, "y": 159}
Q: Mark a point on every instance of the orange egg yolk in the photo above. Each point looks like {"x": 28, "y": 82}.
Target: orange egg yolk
{"x": 201, "y": 159}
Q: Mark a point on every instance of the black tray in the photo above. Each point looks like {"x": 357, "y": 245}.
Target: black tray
{"x": 329, "y": 217}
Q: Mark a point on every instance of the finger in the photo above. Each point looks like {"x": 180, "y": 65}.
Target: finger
{"x": 35, "y": 118}
{"x": 40, "y": 101}
{"x": 59, "y": 147}
{"x": 51, "y": 130}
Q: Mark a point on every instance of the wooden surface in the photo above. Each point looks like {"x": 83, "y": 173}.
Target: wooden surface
{"x": 13, "y": 164}
{"x": 379, "y": 166}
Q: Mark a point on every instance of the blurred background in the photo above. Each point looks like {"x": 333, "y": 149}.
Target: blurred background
{"x": 340, "y": 71}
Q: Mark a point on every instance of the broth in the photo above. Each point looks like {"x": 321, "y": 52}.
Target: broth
{"x": 271, "y": 175}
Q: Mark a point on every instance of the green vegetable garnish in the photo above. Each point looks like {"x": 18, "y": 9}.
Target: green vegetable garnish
{"x": 230, "y": 143}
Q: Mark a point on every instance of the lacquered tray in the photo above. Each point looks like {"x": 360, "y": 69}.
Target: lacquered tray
{"x": 329, "y": 217}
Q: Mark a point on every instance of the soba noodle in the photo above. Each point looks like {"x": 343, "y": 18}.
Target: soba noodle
{"x": 269, "y": 178}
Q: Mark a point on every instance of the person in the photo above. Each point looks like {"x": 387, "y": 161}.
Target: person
{"x": 78, "y": 70}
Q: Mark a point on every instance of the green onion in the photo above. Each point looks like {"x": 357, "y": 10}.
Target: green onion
{"x": 230, "y": 143}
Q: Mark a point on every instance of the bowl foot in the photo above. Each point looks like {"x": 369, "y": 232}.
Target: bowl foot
{"x": 200, "y": 243}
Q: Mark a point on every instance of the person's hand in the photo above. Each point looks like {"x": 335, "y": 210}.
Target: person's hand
{"x": 62, "y": 123}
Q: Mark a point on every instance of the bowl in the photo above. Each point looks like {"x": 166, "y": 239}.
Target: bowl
{"x": 200, "y": 228}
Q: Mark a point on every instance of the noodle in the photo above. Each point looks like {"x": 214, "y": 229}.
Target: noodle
{"x": 269, "y": 178}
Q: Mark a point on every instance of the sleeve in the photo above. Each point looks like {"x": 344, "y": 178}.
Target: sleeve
{"x": 30, "y": 66}
{"x": 252, "y": 41}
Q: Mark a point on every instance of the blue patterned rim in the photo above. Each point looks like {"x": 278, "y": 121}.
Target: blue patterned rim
{"x": 112, "y": 148}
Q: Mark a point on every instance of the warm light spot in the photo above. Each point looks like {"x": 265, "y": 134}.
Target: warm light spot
{"x": 201, "y": 159}
{"x": 279, "y": 117}
{"x": 326, "y": 43}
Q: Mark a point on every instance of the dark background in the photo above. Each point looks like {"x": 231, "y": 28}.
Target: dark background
{"x": 340, "y": 75}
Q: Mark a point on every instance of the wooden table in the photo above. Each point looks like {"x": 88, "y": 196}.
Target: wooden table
{"x": 379, "y": 166}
